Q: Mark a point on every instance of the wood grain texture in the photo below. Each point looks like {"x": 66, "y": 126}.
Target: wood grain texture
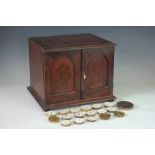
{"x": 63, "y": 76}
{"x": 53, "y": 43}
{"x": 71, "y": 70}
{"x": 36, "y": 59}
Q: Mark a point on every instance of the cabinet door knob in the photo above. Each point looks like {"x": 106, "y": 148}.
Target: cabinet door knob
{"x": 84, "y": 75}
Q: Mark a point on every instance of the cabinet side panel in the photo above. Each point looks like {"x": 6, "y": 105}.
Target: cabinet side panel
{"x": 36, "y": 59}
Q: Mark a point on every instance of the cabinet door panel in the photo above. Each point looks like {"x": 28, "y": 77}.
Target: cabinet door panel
{"x": 63, "y": 76}
{"x": 97, "y": 69}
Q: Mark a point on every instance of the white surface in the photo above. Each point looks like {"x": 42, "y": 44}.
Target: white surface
{"x": 18, "y": 109}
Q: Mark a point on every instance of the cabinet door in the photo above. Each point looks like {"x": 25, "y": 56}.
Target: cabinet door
{"x": 62, "y": 76}
{"x": 97, "y": 70}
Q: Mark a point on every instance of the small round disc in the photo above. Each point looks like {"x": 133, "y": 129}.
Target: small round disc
{"x": 79, "y": 120}
{"x": 104, "y": 116}
{"x": 97, "y": 106}
{"x": 124, "y": 105}
{"x": 51, "y": 113}
{"x": 79, "y": 114}
{"x": 53, "y": 119}
{"x": 86, "y": 107}
{"x": 91, "y": 113}
{"x": 109, "y": 104}
{"x": 75, "y": 110}
{"x": 92, "y": 118}
{"x": 100, "y": 111}
{"x": 119, "y": 114}
{"x": 111, "y": 109}
{"x": 64, "y": 112}
{"x": 65, "y": 122}
{"x": 67, "y": 117}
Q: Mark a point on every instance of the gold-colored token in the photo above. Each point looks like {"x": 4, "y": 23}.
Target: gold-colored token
{"x": 53, "y": 119}
{"x": 119, "y": 114}
{"x": 104, "y": 116}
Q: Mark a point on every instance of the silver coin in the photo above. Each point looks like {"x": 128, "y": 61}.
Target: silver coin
{"x": 79, "y": 120}
{"x": 109, "y": 104}
{"x": 75, "y": 110}
{"x": 97, "y": 106}
{"x": 100, "y": 111}
{"x": 91, "y": 113}
{"x": 79, "y": 114}
{"x": 111, "y": 109}
{"x": 65, "y": 122}
{"x": 67, "y": 117}
{"x": 86, "y": 107}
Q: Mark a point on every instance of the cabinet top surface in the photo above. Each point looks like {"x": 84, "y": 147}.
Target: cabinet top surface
{"x": 74, "y": 41}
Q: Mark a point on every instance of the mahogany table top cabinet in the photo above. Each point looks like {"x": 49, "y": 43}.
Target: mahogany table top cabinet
{"x": 70, "y": 70}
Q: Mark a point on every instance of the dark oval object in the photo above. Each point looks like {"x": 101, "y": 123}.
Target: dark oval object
{"x": 124, "y": 105}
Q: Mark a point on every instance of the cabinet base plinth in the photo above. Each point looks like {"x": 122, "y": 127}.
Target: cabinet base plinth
{"x": 47, "y": 107}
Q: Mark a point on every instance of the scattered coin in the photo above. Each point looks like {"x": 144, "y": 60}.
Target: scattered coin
{"x": 67, "y": 117}
{"x": 65, "y": 123}
{"x": 119, "y": 114}
{"x": 64, "y": 112}
{"x": 53, "y": 119}
{"x": 75, "y": 110}
{"x": 97, "y": 106}
{"x": 92, "y": 118}
{"x": 52, "y": 113}
{"x": 111, "y": 109}
{"x": 79, "y": 120}
{"x": 109, "y": 104}
{"x": 124, "y": 105}
{"x": 91, "y": 113}
{"x": 86, "y": 107}
{"x": 104, "y": 116}
{"x": 100, "y": 111}
{"x": 79, "y": 114}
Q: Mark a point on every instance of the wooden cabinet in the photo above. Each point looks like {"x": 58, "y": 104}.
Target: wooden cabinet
{"x": 71, "y": 70}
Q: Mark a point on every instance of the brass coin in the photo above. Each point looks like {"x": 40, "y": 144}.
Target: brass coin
{"x": 104, "y": 116}
{"x": 53, "y": 119}
{"x": 119, "y": 114}
{"x": 124, "y": 105}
